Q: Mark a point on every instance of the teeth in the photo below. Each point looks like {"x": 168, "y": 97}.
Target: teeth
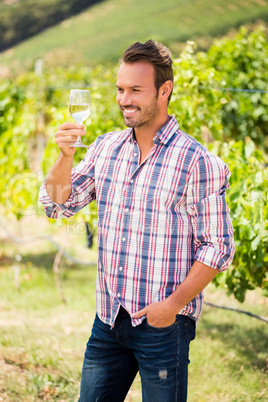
{"x": 130, "y": 110}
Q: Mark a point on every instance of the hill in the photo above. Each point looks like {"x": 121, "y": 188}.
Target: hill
{"x": 17, "y": 23}
{"x": 103, "y": 31}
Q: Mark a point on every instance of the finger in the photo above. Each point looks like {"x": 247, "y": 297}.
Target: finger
{"x": 140, "y": 313}
{"x": 70, "y": 125}
{"x": 69, "y": 134}
{"x": 66, "y": 140}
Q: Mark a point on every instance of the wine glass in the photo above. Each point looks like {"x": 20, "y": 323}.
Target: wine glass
{"x": 80, "y": 108}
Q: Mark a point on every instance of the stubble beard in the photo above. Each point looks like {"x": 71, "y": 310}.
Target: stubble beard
{"x": 146, "y": 117}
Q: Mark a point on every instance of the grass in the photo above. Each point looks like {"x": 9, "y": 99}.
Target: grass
{"x": 103, "y": 31}
{"x": 42, "y": 339}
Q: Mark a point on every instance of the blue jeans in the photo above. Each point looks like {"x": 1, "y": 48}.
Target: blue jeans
{"x": 114, "y": 356}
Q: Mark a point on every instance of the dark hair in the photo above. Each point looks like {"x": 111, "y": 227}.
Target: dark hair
{"x": 156, "y": 54}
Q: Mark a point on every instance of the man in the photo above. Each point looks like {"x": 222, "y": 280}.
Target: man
{"x": 164, "y": 232}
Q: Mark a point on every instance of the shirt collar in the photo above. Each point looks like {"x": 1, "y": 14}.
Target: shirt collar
{"x": 164, "y": 134}
{"x": 167, "y": 131}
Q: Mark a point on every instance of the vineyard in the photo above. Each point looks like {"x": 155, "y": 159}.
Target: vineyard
{"x": 47, "y": 301}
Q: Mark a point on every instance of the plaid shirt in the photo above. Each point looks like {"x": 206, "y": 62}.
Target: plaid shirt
{"x": 154, "y": 219}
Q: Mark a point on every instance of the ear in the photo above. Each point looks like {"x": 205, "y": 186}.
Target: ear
{"x": 166, "y": 89}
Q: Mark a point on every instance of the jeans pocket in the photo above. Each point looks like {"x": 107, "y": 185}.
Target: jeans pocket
{"x": 190, "y": 327}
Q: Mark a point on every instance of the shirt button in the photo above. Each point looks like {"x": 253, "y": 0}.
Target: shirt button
{"x": 124, "y": 239}
{"x": 135, "y": 154}
{"x": 120, "y": 268}
{"x": 131, "y": 181}
{"x": 118, "y": 294}
{"x": 127, "y": 209}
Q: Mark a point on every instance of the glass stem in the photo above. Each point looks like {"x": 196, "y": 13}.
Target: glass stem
{"x": 79, "y": 141}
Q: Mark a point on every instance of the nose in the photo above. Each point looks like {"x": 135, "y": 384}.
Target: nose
{"x": 125, "y": 99}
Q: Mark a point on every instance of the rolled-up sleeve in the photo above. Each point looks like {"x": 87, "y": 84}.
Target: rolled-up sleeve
{"x": 82, "y": 193}
{"x": 210, "y": 218}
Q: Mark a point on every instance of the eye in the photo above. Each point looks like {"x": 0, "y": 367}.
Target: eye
{"x": 120, "y": 90}
{"x": 136, "y": 90}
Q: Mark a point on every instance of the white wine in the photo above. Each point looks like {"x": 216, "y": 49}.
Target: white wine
{"x": 80, "y": 108}
{"x": 80, "y": 111}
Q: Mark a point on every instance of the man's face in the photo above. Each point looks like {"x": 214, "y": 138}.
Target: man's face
{"x": 136, "y": 94}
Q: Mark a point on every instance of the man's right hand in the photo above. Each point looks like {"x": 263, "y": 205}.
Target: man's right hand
{"x": 58, "y": 182}
{"x": 66, "y": 135}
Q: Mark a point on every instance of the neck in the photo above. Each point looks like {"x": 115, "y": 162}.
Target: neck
{"x": 145, "y": 135}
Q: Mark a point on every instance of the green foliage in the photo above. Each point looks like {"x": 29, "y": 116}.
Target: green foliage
{"x": 202, "y": 101}
{"x": 243, "y": 64}
{"x": 248, "y": 203}
{"x": 14, "y": 160}
{"x": 32, "y": 107}
{"x": 198, "y": 111}
{"x": 207, "y": 113}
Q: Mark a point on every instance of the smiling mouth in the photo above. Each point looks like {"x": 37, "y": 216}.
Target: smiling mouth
{"x": 129, "y": 112}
